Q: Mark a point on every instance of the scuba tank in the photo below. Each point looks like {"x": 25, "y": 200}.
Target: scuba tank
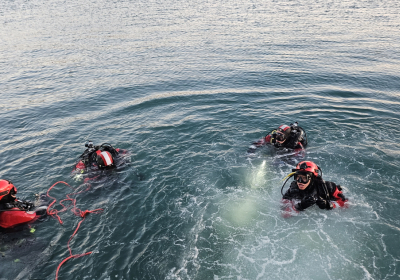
{"x": 299, "y": 133}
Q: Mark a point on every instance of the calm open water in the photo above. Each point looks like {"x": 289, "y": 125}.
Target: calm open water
{"x": 186, "y": 87}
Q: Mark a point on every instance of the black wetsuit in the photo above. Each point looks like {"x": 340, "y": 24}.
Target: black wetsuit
{"x": 318, "y": 192}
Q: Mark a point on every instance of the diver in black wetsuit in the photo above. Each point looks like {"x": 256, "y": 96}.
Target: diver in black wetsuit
{"x": 290, "y": 137}
{"x": 96, "y": 160}
{"x": 103, "y": 156}
{"x": 308, "y": 188}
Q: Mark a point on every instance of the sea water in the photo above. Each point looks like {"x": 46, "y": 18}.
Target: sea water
{"x": 186, "y": 87}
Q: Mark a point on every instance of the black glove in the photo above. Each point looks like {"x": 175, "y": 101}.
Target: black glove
{"x": 342, "y": 197}
{"x": 305, "y": 203}
{"x": 8, "y": 205}
{"x": 324, "y": 204}
{"x": 30, "y": 205}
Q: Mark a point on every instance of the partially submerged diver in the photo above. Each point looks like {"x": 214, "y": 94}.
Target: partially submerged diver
{"x": 285, "y": 136}
{"x": 308, "y": 189}
{"x": 99, "y": 158}
{"x": 13, "y": 211}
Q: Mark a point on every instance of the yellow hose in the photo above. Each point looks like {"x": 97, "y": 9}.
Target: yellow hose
{"x": 289, "y": 175}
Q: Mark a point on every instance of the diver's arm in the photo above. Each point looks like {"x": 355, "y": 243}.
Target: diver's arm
{"x": 338, "y": 195}
{"x": 253, "y": 147}
{"x": 288, "y": 195}
{"x": 292, "y": 192}
{"x": 288, "y": 204}
{"x": 268, "y": 139}
{"x": 335, "y": 195}
{"x": 305, "y": 202}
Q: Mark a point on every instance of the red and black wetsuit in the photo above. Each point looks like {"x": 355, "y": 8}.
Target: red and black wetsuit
{"x": 89, "y": 159}
{"x": 317, "y": 191}
{"x": 297, "y": 140}
{"x": 91, "y": 165}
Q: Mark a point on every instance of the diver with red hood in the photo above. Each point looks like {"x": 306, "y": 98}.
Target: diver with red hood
{"x": 308, "y": 189}
{"x": 8, "y": 197}
{"x": 14, "y": 211}
{"x": 285, "y": 136}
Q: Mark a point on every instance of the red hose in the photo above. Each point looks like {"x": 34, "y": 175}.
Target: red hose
{"x": 76, "y": 211}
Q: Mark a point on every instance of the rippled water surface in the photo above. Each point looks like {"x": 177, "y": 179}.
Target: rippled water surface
{"x": 186, "y": 87}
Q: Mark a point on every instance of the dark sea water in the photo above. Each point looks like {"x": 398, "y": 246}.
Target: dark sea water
{"x": 186, "y": 86}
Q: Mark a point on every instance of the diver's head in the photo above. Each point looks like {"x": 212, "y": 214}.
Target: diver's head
{"x": 282, "y": 134}
{"x": 89, "y": 144}
{"x": 104, "y": 159}
{"x": 7, "y": 191}
{"x": 305, "y": 173}
{"x": 302, "y": 180}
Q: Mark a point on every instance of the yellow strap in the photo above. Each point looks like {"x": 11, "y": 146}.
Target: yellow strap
{"x": 272, "y": 132}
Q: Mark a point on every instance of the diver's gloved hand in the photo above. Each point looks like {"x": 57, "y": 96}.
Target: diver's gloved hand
{"x": 252, "y": 149}
{"x": 305, "y": 203}
{"x": 28, "y": 205}
{"x": 340, "y": 194}
{"x": 8, "y": 205}
{"x": 342, "y": 197}
{"x": 324, "y": 204}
